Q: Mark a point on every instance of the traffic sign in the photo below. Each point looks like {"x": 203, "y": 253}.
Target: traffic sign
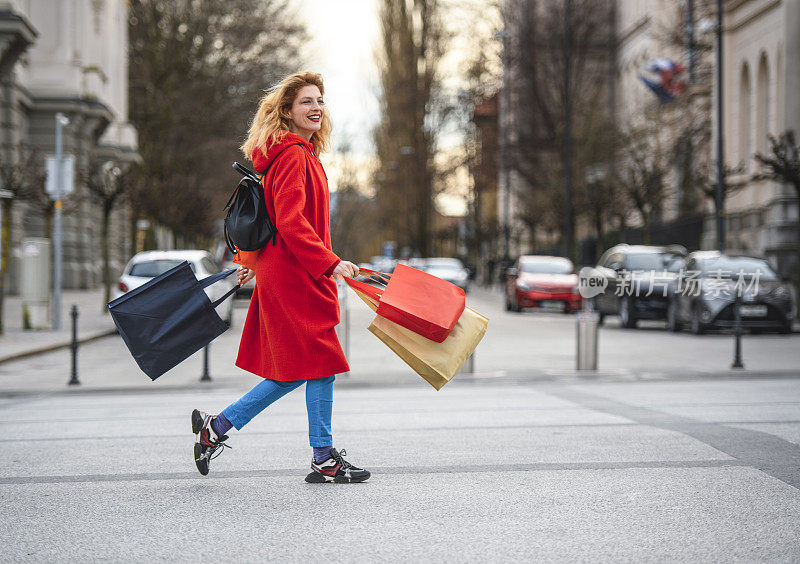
{"x": 67, "y": 175}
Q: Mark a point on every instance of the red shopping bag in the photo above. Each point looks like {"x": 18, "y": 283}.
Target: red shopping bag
{"x": 421, "y": 302}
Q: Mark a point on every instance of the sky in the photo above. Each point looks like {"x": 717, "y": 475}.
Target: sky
{"x": 343, "y": 39}
{"x": 345, "y": 35}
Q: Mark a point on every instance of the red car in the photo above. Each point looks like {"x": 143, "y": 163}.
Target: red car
{"x": 547, "y": 283}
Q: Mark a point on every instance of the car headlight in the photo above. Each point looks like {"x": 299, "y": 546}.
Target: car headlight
{"x": 524, "y": 286}
{"x": 781, "y": 293}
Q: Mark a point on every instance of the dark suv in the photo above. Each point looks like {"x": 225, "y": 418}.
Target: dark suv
{"x": 637, "y": 281}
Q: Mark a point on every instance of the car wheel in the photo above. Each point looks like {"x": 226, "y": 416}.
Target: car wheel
{"x": 697, "y": 324}
{"x": 672, "y": 318}
{"x": 626, "y": 315}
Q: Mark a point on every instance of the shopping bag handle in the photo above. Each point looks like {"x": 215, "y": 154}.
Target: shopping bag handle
{"x": 378, "y": 276}
{"x": 209, "y": 280}
{"x": 370, "y": 291}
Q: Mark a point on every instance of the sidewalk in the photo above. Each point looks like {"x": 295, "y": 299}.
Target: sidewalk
{"x": 93, "y": 322}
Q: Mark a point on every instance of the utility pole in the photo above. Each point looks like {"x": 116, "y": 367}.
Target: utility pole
{"x": 61, "y": 121}
{"x": 720, "y": 194}
{"x": 567, "y": 132}
{"x": 504, "y": 35}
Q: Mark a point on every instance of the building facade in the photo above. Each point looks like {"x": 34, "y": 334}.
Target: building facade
{"x": 69, "y": 57}
{"x": 761, "y": 81}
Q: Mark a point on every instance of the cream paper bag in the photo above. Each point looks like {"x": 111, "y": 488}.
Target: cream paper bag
{"x": 436, "y": 362}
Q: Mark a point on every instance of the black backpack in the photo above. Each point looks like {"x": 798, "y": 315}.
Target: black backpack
{"x": 247, "y": 225}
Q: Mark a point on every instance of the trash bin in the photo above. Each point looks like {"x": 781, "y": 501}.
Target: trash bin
{"x": 587, "y": 323}
{"x": 35, "y": 283}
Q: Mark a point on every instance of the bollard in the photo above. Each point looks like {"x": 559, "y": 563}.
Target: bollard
{"x": 206, "y": 377}
{"x": 586, "y": 329}
{"x": 737, "y": 334}
{"x": 73, "y": 381}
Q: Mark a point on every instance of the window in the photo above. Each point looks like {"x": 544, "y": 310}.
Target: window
{"x": 744, "y": 117}
{"x": 151, "y": 268}
{"x": 762, "y": 105}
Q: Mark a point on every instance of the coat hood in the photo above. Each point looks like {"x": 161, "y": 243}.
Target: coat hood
{"x": 262, "y": 161}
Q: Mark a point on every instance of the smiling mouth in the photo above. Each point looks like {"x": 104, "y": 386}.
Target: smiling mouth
{"x": 315, "y": 119}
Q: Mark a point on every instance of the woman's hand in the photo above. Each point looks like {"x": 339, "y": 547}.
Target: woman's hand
{"x": 346, "y": 268}
{"x": 244, "y": 275}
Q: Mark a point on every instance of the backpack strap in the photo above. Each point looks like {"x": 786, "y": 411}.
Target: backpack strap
{"x": 264, "y": 174}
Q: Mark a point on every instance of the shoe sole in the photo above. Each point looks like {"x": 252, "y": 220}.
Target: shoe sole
{"x": 202, "y": 464}
{"x": 318, "y": 478}
{"x": 197, "y": 425}
{"x": 197, "y": 421}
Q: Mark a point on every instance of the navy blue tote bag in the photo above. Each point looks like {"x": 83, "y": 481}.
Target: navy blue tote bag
{"x": 169, "y": 318}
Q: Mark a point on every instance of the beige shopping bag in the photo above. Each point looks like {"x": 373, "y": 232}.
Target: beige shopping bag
{"x": 436, "y": 362}
{"x": 369, "y": 300}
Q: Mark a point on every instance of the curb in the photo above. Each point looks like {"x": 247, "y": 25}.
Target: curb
{"x": 56, "y": 346}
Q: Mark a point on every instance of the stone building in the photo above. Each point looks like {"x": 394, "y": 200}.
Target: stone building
{"x": 69, "y": 57}
{"x": 761, "y": 81}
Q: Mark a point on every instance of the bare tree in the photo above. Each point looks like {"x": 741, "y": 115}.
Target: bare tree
{"x": 412, "y": 108}
{"x": 197, "y": 70}
{"x": 561, "y": 65}
{"x": 643, "y": 174}
{"x": 108, "y": 186}
{"x": 355, "y": 229}
{"x": 782, "y": 164}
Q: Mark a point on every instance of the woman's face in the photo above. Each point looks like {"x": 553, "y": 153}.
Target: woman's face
{"x": 306, "y": 112}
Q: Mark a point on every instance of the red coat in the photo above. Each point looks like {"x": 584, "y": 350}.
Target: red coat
{"x": 289, "y": 331}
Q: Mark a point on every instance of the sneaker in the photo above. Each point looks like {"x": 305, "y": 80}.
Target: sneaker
{"x": 336, "y": 469}
{"x": 207, "y": 441}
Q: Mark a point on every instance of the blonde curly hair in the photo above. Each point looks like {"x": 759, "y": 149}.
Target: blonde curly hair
{"x": 271, "y": 122}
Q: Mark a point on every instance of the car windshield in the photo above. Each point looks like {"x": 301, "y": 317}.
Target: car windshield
{"x": 151, "y": 268}
{"x": 546, "y": 267}
{"x": 733, "y": 267}
{"x": 654, "y": 261}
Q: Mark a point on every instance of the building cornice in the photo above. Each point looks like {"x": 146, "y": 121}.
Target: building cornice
{"x": 634, "y": 29}
{"x": 16, "y": 35}
{"x": 737, "y": 17}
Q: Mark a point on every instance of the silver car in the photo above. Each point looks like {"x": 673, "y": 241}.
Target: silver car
{"x": 450, "y": 269}
{"x": 148, "y": 264}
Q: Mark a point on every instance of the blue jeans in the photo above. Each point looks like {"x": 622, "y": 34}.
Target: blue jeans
{"x": 319, "y": 403}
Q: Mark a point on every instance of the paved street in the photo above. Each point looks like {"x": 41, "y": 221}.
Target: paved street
{"x": 663, "y": 455}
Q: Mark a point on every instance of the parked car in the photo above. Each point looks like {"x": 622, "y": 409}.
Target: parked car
{"x": 638, "y": 280}
{"x": 704, "y": 295}
{"x": 226, "y": 260}
{"x": 450, "y": 269}
{"x": 148, "y": 264}
{"x": 543, "y": 282}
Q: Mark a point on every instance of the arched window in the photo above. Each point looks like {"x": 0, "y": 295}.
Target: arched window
{"x": 745, "y": 132}
{"x": 762, "y": 105}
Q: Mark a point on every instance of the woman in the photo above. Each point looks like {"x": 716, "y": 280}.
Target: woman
{"x": 289, "y": 336}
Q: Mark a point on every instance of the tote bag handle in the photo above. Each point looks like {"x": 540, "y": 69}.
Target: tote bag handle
{"x": 209, "y": 280}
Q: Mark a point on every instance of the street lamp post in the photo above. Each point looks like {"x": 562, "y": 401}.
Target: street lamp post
{"x": 567, "y": 132}
{"x": 61, "y": 121}
{"x": 504, "y": 35}
{"x": 720, "y": 194}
